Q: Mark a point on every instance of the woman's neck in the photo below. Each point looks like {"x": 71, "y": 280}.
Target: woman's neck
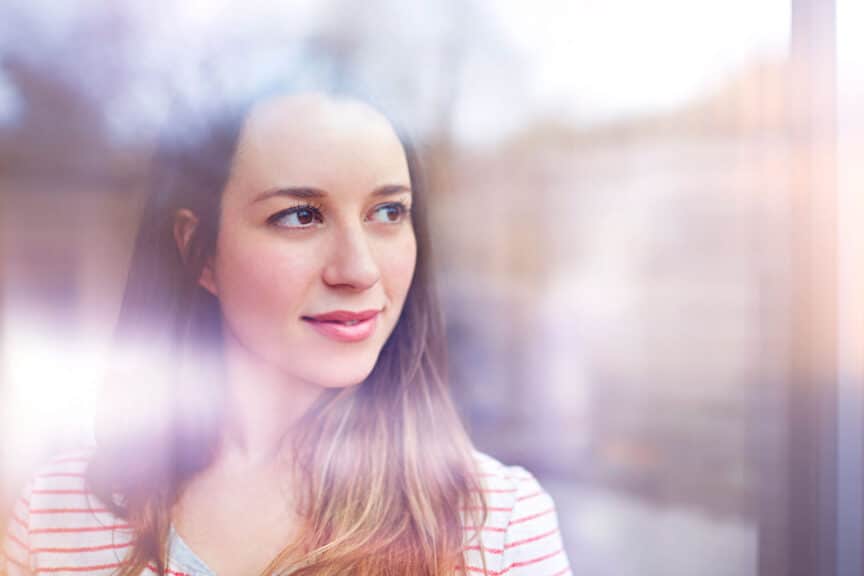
{"x": 262, "y": 408}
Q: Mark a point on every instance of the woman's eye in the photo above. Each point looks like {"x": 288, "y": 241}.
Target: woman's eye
{"x": 298, "y": 217}
{"x": 390, "y": 213}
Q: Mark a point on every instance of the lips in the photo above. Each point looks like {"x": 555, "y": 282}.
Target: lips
{"x": 343, "y": 316}
{"x": 344, "y": 325}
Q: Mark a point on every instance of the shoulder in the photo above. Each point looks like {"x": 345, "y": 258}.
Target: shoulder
{"x": 521, "y": 533}
{"x": 58, "y": 524}
{"x": 514, "y": 494}
{"x": 60, "y": 487}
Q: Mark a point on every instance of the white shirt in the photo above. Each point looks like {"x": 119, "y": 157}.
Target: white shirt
{"x": 59, "y": 527}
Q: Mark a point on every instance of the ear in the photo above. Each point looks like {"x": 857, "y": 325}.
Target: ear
{"x": 185, "y": 223}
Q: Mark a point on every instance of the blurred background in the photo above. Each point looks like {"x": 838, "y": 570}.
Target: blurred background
{"x": 646, "y": 220}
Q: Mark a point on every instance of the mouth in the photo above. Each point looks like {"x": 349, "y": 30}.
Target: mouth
{"x": 344, "y": 325}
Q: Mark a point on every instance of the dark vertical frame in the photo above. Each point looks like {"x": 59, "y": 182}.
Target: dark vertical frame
{"x": 798, "y": 517}
{"x": 850, "y": 382}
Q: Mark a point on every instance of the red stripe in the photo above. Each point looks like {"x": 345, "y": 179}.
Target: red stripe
{"x": 532, "y": 560}
{"x": 531, "y": 517}
{"x": 521, "y": 564}
{"x": 14, "y": 561}
{"x": 562, "y": 572}
{"x": 18, "y": 520}
{"x": 473, "y": 569}
{"x": 512, "y": 522}
{"x": 84, "y": 549}
{"x": 80, "y": 568}
{"x": 488, "y": 550}
{"x": 16, "y": 540}
{"x": 24, "y": 501}
{"x": 529, "y": 496}
{"x": 62, "y": 475}
{"x": 488, "y": 508}
{"x": 513, "y": 544}
{"x": 487, "y": 528}
{"x": 80, "y": 529}
{"x": 506, "y": 478}
{"x": 531, "y": 539}
{"x": 69, "y": 510}
{"x": 61, "y": 491}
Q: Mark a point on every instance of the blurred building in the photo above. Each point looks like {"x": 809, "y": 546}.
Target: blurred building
{"x": 628, "y": 308}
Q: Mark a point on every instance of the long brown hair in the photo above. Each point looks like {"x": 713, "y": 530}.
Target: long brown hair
{"x": 385, "y": 470}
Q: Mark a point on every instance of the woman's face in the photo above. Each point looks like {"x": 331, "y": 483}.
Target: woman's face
{"x": 316, "y": 250}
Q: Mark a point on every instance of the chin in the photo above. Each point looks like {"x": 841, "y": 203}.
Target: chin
{"x": 343, "y": 376}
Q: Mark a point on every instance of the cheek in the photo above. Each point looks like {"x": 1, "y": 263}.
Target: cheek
{"x": 260, "y": 280}
{"x": 397, "y": 267}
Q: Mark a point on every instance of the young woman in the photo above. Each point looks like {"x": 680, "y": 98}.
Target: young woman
{"x": 281, "y": 406}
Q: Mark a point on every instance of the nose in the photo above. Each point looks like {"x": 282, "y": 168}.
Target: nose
{"x": 351, "y": 262}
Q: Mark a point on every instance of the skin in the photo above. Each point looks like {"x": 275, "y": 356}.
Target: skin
{"x": 268, "y": 272}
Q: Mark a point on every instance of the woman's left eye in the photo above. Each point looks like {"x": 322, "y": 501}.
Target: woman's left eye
{"x": 391, "y": 213}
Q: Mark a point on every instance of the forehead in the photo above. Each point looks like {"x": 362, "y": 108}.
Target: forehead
{"x": 317, "y": 140}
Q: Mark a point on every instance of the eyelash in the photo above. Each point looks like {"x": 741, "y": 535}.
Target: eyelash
{"x": 314, "y": 208}
{"x": 403, "y": 209}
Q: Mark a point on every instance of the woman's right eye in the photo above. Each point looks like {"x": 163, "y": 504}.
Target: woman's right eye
{"x": 296, "y": 217}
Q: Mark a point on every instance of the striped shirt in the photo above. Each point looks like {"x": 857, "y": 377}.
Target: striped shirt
{"x": 59, "y": 527}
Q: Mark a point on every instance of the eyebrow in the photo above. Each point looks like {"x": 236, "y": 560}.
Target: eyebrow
{"x": 304, "y": 192}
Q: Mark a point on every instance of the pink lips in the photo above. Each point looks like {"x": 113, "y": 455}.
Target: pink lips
{"x": 344, "y": 325}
